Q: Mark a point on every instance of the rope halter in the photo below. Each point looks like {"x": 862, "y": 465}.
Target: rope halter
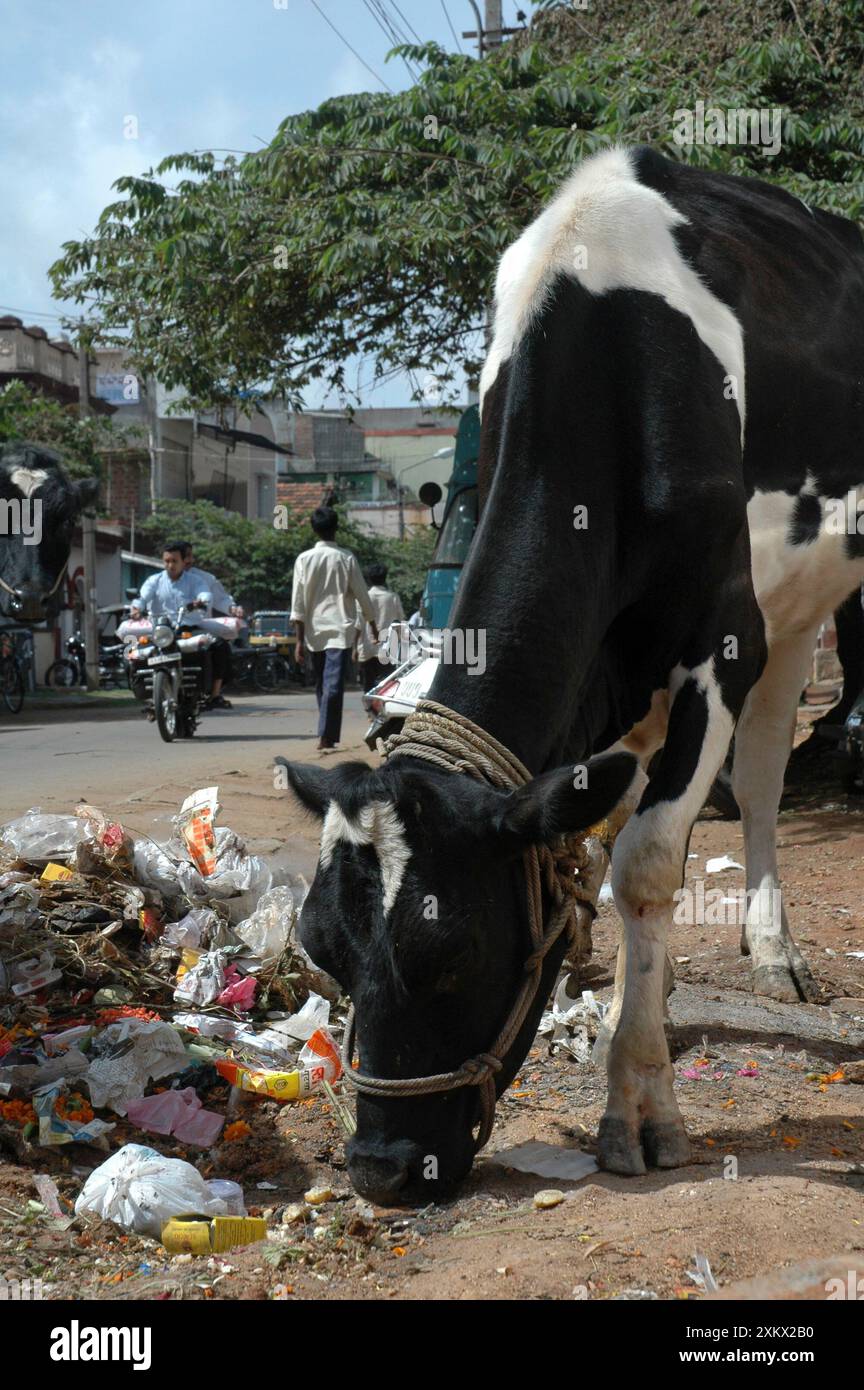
{"x": 449, "y": 741}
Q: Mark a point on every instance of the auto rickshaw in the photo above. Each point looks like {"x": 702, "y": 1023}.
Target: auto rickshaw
{"x": 273, "y": 629}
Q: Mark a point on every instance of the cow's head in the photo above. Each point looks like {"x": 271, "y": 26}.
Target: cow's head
{"x": 418, "y": 909}
{"x": 38, "y": 509}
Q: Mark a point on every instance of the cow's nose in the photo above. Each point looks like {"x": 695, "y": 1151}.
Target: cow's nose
{"x": 378, "y": 1178}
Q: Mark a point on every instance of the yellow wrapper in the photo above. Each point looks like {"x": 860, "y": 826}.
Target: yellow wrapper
{"x": 52, "y": 872}
{"x": 195, "y": 1235}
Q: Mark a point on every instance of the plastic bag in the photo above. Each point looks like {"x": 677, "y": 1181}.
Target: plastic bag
{"x": 195, "y": 827}
{"x": 268, "y": 931}
{"x": 120, "y": 1072}
{"x": 192, "y": 931}
{"x": 38, "y": 838}
{"x": 105, "y": 845}
{"x": 140, "y": 1190}
{"x": 299, "y": 1027}
{"x": 236, "y": 872}
{"x": 55, "y": 1128}
{"x": 179, "y": 1113}
{"x": 154, "y": 867}
{"x": 204, "y": 982}
{"x": 231, "y": 1193}
{"x": 239, "y": 991}
{"x": 19, "y": 905}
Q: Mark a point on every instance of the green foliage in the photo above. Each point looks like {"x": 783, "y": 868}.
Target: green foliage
{"x": 372, "y": 225}
{"x": 82, "y": 444}
{"x": 255, "y": 560}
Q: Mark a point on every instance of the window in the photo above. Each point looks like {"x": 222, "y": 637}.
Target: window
{"x": 458, "y": 530}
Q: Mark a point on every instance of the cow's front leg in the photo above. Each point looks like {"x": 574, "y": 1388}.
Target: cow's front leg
{"x": 642, "y": 1124}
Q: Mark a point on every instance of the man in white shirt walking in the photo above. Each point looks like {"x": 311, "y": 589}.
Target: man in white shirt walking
{"x": 328, "y": 588}
{"x": 371, "y": 654}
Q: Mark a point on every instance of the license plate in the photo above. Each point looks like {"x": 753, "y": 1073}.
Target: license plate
{"x": 164, "y": 661}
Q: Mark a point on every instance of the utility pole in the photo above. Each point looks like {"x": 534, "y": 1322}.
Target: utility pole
{"x": 88, "y": 529}
{"x": 490, "y": 31}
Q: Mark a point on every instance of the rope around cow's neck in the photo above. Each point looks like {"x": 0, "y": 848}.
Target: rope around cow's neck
{"x": 448, "y": 740}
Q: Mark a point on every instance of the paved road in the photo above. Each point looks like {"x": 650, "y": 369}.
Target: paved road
{"x": 117, "y": 761}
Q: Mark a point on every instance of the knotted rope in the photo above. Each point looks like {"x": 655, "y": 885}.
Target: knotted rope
{"x": 452, "y": 742}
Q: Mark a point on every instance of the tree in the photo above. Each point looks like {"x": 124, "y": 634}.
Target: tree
{"x": 255, "y": 560}
{"x": 81, "y": 443}
{"x": 372, "y": 225}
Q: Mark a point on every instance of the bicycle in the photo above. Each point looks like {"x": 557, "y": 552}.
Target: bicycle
{"x": 11, "y": 679}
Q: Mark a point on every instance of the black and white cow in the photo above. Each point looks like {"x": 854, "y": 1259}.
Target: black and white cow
{"x": 32, "y": 566}
{"x": 679, "y": 353}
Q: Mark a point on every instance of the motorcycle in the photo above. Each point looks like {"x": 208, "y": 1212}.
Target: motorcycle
{"x": 417, "y": 654}
{"x": 170, "y": 672}
{"x": 852, "y": 748}
{"x": 71, "y": 670}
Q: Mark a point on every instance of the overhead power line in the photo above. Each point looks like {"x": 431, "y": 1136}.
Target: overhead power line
{"x": 450, "y": 22}
{"x": 351, "y": 46}
{"x": 406, "y": 22}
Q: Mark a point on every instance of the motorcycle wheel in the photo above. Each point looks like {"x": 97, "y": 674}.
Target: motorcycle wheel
{"x": 62, "y": 675}
{"x": 269, "y": 673}
{"x": 168, "y": 720}
{"x": 13, "y": 687}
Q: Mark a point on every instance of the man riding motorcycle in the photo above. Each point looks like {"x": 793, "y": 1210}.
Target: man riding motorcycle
{"x": 179, "y": 587}
{"x": 222, "y": 602}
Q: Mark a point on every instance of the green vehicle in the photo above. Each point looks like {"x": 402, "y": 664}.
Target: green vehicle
{"x": 458, "y": 525}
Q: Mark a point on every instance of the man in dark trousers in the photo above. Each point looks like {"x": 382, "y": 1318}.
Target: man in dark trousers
{"x": 372, "y": 656}
{"x": 328, "y": 588}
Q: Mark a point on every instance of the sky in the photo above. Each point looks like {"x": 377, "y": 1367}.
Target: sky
{"x": 190, "y": 74}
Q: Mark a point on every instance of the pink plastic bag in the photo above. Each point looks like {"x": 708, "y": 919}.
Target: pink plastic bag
{"x": 179, "y": 1113}
{"x": 239, "y": 991}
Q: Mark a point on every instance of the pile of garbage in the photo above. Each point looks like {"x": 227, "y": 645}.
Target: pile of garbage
{"x": 142, "y": 980}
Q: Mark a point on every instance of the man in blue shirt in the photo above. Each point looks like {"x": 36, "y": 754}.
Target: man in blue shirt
{"x": 174, "y": 589}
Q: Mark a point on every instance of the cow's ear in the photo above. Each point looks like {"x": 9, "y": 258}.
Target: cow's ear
{"x": 86, "y": 492}
{"x": 311, "y": 785}
{"x": 565, "y": 800}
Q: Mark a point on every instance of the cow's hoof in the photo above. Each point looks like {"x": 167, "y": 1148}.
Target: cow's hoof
{"x": 618, "y": 1147}
{"x": 788, "y": 984}
{"x": 664, "y": 1145}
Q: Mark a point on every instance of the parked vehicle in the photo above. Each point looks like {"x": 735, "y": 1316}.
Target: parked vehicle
{"x": 71, "y": 671}
{"x": 853, "y": 736}
{"x": 394, "y": 697}
{"x": 11, "y": 677}
{"x": 261, "y": 668}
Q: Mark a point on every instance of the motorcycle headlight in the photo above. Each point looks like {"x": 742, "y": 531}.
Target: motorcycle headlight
{"x": 163, "y": 635}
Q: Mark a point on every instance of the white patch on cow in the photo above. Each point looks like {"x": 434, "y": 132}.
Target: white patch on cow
{"x": 798, "y": 586}
{"x": 608, "y": 231}
{"x": 27, "y": 480}
{"x": 377, "y": 825}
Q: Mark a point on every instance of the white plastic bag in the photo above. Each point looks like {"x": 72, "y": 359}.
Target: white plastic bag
{"x": 191, "y": 931}
{"x": 204, "y": 982}
{"x": 38, "y": 838}
{"x": 153, "y": 867}
{"x": 236, "y": 872}
{"x": 140, "y": 1190}
{"x": 268, "y": 930}
{"x": 299, "y": 1027}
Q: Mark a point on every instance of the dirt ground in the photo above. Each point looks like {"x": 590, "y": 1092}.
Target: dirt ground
{"x": 752, "y": 1079}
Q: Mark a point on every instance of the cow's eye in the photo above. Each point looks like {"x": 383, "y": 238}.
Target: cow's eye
{"x": 449, "y": 983}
